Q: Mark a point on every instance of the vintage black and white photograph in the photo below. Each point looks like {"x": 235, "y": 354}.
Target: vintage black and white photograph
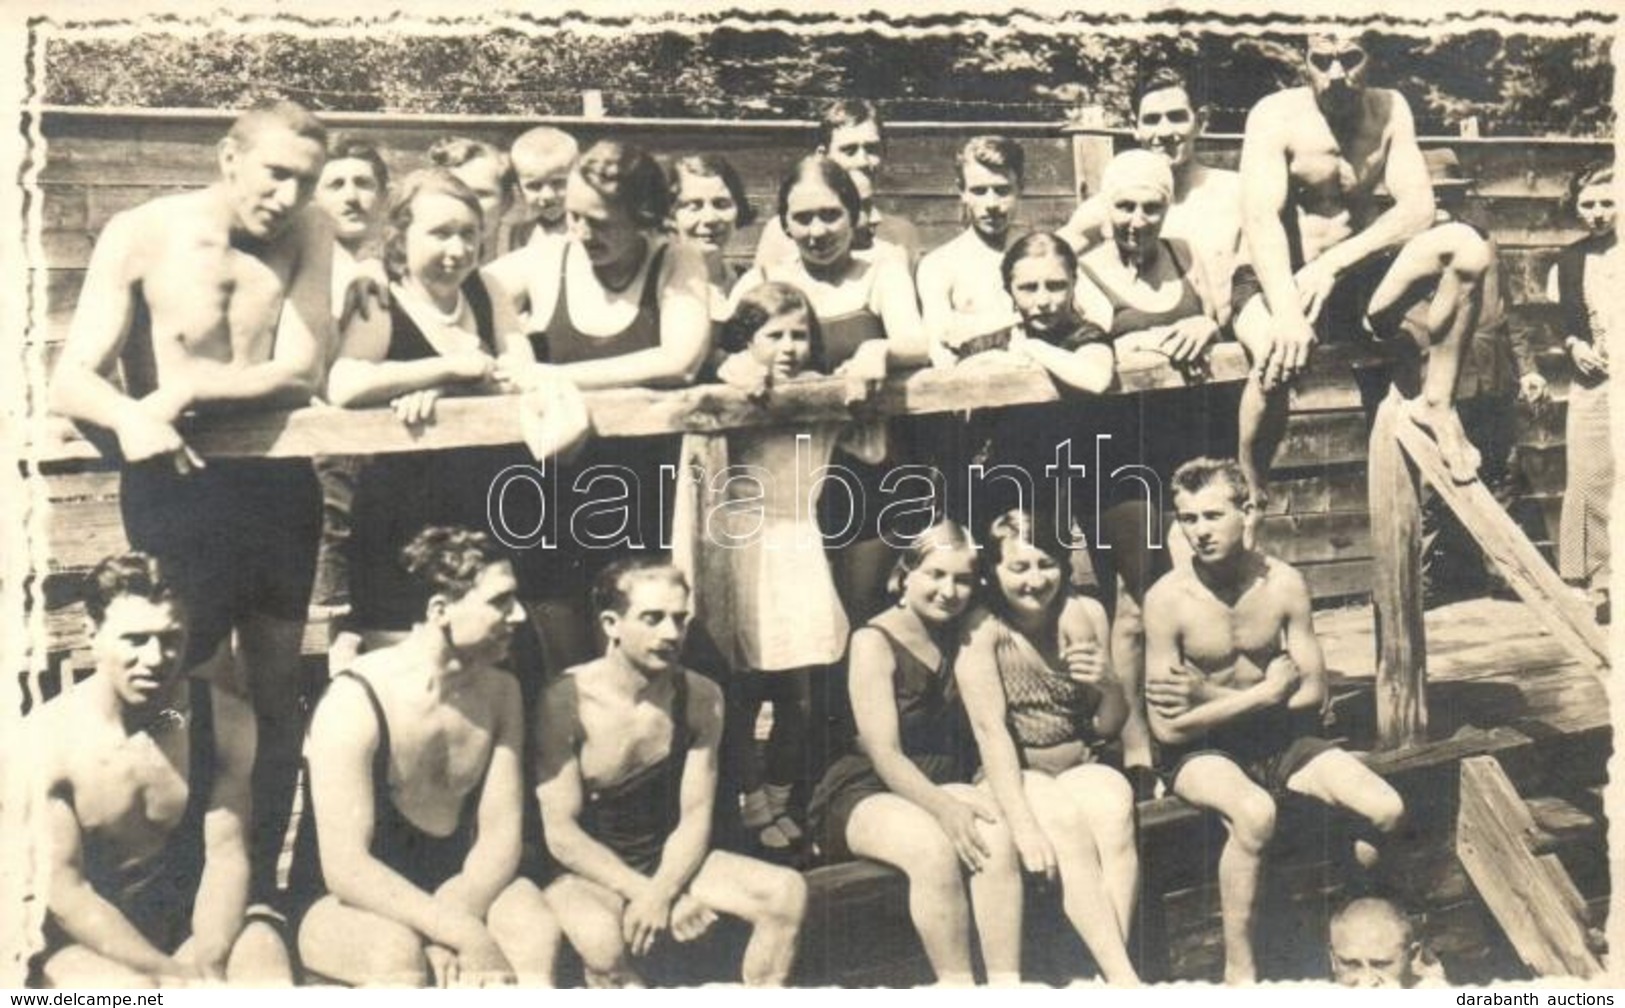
{"x": 626, "y": 497}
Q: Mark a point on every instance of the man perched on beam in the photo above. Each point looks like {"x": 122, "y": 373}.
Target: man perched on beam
{"x": 1322, "y": 247}
{"x": 218, "y": 301}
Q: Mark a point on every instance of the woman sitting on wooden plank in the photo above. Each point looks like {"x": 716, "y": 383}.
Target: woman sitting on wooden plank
{"x": 901, "y": 795}
{"x": 1036, "y": 675}
{"x": 437, "y": 338}
{"x": 870, "y": 319}
{"x": 616, "y": 305}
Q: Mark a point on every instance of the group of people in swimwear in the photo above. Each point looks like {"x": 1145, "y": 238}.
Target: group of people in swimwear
{"x": 1001, "y": 723}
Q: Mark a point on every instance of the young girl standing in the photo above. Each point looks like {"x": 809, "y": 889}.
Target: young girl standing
{"x": 788, "y": 620}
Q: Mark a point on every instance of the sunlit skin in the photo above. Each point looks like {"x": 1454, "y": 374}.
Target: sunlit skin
{"x": 480, "y": 624}
{"x": 1595, "y": 206}
{"x": 1336, "y": 69}
{"x": 705, "y": 212}
{"x": 817, "y": 221}
{"x": 268, "y": 179}
{"x": 606, "y": 232}
{"x": 1136, "y": 215}
{"x": 1168, "y": 124}
{"x": 869, "y": 216}
{"x": 541, "y": 183}
{"x": 1372, "y": 947}
{"x": 1213, "y": 521}
{"x": 941, "y": 587}
{"x": 1041, "y": 288}
{"x": 484, "y": 176}
{"x": 989, "y": 198}
{"x": 1029, "y": 579}
{"x": 349, "y": 193}
{"x": 649, "y": 635}
{"x": 442, "y": 245}
{"x": 138, "y": 646}
{"x": 856, "y": 148}
{"x": 783, "y": 344}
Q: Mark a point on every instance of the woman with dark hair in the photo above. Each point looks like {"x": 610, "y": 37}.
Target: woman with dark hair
{"x": 708, "y": 206}
{"x": 1585, "y": 283}
{"x": 616, "y": 305}
{"x": 1035, "y": 671}
{"x": 870, "y": 319}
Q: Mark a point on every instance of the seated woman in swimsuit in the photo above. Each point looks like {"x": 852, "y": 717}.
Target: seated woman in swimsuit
{"x": 901, "y": 795}
{"x": 436, "y": 339}
{"x": 616, "y": 305}
{"x": 870, "y": 319}
{"x": 1152, "y": 297}
{"x": 1038, "y": 686}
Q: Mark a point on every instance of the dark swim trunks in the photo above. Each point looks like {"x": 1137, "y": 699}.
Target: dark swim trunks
{"x": 238, "y": 537}
{"x": 1342, "y": 318}
{"x": 1269, "y": 747}
{"x": 634, "y": 817}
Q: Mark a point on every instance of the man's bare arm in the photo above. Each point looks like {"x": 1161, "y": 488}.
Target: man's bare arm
{"x": 1405, "y": 174}
{"x": 222, "y": 895}
{"x": 561, "y": 792}
{"x": 493, "y": 861}
{"x": 686, "y": 848}
{"x": 1302, "y": 646}
{"x": 343, "y": 740}
{"x": 87, "y": 916}
{"x": 1264, "y": 189}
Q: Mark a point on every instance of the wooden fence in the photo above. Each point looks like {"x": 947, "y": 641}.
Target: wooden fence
{"x": 98, "y": 162}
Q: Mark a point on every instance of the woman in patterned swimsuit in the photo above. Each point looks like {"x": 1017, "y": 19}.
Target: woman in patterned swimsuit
{"x": 1035, "y": 674}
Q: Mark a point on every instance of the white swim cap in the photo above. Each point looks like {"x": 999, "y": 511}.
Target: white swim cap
{"x": 1138, "y": 168}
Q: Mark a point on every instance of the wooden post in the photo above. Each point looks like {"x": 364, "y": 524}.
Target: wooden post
{"x": 1393, "y": 490}
{"x": 1530, "y": 895}
{"x": 1091, "y": 149}
{"x": 1568, "y": 618}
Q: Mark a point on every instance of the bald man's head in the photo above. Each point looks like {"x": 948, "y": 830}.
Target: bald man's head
{"x": 1373, "y": 945}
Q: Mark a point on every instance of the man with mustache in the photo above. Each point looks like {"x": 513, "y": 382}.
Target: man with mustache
{"x": 145, "y": 789}
{"x": 628, "y": 780}
{"x": 1322, "y": 246}
{"x": 417, "y": 791}
{"x": 214, "y": 302}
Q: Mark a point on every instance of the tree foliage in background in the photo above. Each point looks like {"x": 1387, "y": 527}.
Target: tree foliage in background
{"x": 1514, "y": 84}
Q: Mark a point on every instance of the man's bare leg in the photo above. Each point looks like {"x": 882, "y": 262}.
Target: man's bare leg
{"x": 259, "y": 958}
{"x": 1214, "y": 782}
{"x": 772, "y": 900}
{"x": 524, "y": 928}
{"x": 1459, "y": 258}
{"x": 591, "y": 917}
{"x": 1339, "y": 778}
{"x": 359, "y": 948}
{"x": 78, "y": 966}
{"x": 1264, "y": 410}
{"x": 268, "y": 658}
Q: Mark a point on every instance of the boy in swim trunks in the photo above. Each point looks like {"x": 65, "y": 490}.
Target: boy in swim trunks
{"x": 1235, "y": 689}
{"x": 628, "y": 779}
{"x": 218, "y": 301}
{"x": 1322, "y": 244}
{"x": 416, "y": 788}
{"x": 145, "y": 787}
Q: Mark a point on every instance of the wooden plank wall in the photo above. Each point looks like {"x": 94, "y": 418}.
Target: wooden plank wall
{"x": 98, "y": 162}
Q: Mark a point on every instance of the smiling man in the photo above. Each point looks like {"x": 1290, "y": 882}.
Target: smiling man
{"x": 219, "y": 301}
{"x": 1235, "y": 692}
{"x": 628, "y": 780}
{"x": 145, "y": 784}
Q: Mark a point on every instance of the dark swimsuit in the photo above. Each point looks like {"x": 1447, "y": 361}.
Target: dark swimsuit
{"x": 932, "y": 730}
{"x": 567, "y": 570}
{"x": 400, "y": 494}
{"x": 634, "y": 817}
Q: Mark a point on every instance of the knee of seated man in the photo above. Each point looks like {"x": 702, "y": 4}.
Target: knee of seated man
{"x": 1387, "y": 810}
{"x": 782, "y": 895}
{"x": 1252, "y": 816}
{"x": 1468, "y": 254}
{"x": 392, "y": 952}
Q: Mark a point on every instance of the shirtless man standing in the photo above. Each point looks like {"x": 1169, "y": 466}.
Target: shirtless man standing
{"x": 1321, "y": 245}
{"x": 1169, "y": 118}
{"x": 219, "y": 301}
{"x": 1235, "y": 689}
{"x": 417, "y": 790}
{"x": 962, "y": 293}
{"x": 145, "y": 776}
{"x": 628, "y": 779}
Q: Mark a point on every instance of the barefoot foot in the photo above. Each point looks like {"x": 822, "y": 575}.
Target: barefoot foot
{"x": 1461, "y": 459}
